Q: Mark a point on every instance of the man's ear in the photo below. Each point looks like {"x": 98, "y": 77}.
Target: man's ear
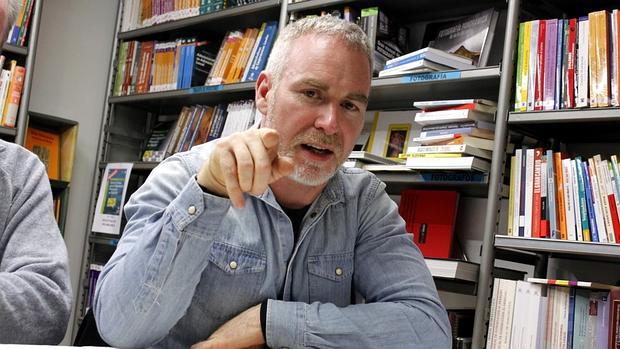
{"x": 263, "y": 86}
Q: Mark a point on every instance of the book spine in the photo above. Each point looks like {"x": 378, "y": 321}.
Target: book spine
{"x": 550, "y": 64}
{"x": 590, "y": 202}
{"x": 544, "y": 199}
{"x": 525, "y": 70}
{"x": 559, "y": 64}
{"x": 519, "y": 103}
{"x": 536, "y": 195}
{"x": 551, "y": 197}
{"x": 597, "y": 202}
{"x": 559, "y": 194}
{"x": 517, "y": 192}
{"x": 583, "y": 205}
{"x": 568, "y": 200}
{"x": 531, "y": 86}
{"x": 540, "y": 65}
{"x": 581, "y": 99}
{"x": 571, "y": 59}
{"x": 511, "y": 198}
{"x": 575, "y": 195}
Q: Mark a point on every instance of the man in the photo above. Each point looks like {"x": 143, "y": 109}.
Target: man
{"x": 261, "y": 238}
{"x": 35, "y": 293}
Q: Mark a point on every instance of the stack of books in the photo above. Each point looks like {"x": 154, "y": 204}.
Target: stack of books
{"x": 425, "y": 60}
{"x": 455, "y": 135}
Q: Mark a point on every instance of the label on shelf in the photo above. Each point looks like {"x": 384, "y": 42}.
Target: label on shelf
{"x": 202, "y": 89}
{"x": 432, "y": 76}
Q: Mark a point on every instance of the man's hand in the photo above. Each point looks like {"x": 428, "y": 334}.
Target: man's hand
{"x": 242, "y": 331}
{"x": 244, "y": 162}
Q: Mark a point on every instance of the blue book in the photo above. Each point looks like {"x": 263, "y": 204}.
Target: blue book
{"x": 522, "y": 196}
{"x": 262, "y": 53}
{"x": 189, "y": 64}
{"x": 588, "y": 189}
{"x": 582, "y": 314}
{"x": 554, "y": 232}
{"x": 583, "y": 206}
{"x": 571, "y": 318}
{"x": 181, "y": 67}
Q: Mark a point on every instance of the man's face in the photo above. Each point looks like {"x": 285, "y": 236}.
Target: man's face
{"x": 318, "y": 106}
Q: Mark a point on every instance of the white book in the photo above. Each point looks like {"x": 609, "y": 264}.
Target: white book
{"x": 491, "y": 336}
{"x": 451, "y": 116}
{"x": 5, "y": 78}
{"x": 531, "y": 83}
{"x": 427, "y": 105}
{"x": 367, "y": 157}
{"x": 520, "y": 316}
{"x": 454, "y": 148}
{"x": 507, "y": 291}
{"x": 433, "y": 55}
{"x": 581, "y": 83}
{"x": 543, "y": 313}
{"x": 596, "y": 202}
{"x": 422, "y": 65}
{"x": 600, "y": 175}
{"x": 468, "y": 163}
{"x": 561, "y": 315}
{"x": 609, "y": 191}
{"x": 576, "y": 207}
{"x": 529, "y": 191}
{"x": 569, "y": 210}
{"x": 517, "y": 191}
{"x": 531, "y": 333}
{"x": 613, "y": 58}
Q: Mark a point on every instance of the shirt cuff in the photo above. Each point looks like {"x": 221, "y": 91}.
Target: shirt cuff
{"x": 263, "y": 318}
{"x": 286, "y": 322}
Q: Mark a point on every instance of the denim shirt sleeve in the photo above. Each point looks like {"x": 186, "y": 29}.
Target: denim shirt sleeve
{"x": 402, "y": 308}
{"x": 148, "y": 283}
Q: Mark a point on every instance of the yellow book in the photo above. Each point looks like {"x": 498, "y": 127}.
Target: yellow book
{"x": 526, "y": 65}
{"x": 230, "y": 77}
{"x": 519, "y": 103}
{"x": 6, "y": 98}
{"x": 511, "y": 198}
{"x": 592, "y": 60}
{"x": 435, "y": 155}
{"x": 602, "y": 57}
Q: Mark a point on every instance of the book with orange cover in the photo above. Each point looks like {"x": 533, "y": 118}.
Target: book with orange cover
{"x": 559, "y": 195}
{"x": 46, "y": 145}
{"x": 14, "y": 95}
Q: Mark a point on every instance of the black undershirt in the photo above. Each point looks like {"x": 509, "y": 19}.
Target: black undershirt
{"x": 296, "y": 215}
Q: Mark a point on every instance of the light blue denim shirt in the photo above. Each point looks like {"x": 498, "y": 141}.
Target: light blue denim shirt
{"x": 188, "y": 262}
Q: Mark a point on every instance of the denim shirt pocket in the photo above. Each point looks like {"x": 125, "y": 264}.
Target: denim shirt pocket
{"x": 231, "y": 281}
{"x": 330, "y": 278}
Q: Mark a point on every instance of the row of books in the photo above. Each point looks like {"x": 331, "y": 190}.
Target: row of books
{"x": 145, "y": 13}
{"x": 545, "y": 313}
{"x": 151, "y": 66}
{"x": 11, "y": 85}
{"x": 19, "y": 30}
{"x": 568, "y": 63}
{"x": 455, "y": 135}
{"x": 387, "y": 38}
{"x": 196, "y": 125}
{"x": 243, "y": 54}
{"x": 552, "y": 196}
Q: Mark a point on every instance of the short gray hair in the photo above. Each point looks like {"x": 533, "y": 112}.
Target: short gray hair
{"x": 352, "y": 35}
{"x": 12, "y": 10}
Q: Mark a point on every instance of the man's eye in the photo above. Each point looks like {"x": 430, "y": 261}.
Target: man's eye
{"x": 350, "y": 106}
{"x": 310, "y": 94}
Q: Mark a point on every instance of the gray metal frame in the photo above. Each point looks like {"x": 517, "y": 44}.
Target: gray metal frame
{"x": 22, "y": 116}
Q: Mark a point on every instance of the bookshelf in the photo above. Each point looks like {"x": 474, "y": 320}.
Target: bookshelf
{"x": 26, "y": 55}
{"x": 127, "y": 119}
{"x": 67, "y": 131}
{"x": 585, "y": 132}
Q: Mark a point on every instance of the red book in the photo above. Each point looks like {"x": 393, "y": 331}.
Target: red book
{"x": 540, "y": 67}
{"x": 536, "y": 204}
{"x": 614, "y": 216}
{"x": 570, "y": 69}
{"x": 430, "y": 216}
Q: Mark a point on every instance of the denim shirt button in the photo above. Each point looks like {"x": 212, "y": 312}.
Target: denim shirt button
{"x": 338, "y": 271}
{"x": 191, "y": 210}
{"x": 313, "y": 214}
{"x": 232, "y": 265}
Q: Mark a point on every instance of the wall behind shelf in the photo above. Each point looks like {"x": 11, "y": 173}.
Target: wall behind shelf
{"x": 69, "y": 80}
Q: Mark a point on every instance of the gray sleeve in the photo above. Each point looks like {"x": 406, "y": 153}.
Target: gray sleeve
{"x": 35, "y": 291}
